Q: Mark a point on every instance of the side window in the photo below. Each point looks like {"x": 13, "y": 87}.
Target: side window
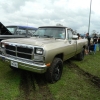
{"x": 31, "y": 32}
{"x": 21, "y": 31}
{"x": 69, "y": 34}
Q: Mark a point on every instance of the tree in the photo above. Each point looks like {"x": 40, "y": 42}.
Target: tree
{"x": 95, "y": 32}
{"x": 59, "y": 24}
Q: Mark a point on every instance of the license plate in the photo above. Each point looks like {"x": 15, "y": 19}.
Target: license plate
{"x": 14, "y": 64}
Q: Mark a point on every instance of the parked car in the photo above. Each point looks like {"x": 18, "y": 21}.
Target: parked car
{"x": 15, "y": 31}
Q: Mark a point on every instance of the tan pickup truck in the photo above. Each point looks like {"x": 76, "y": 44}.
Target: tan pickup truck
{"x": 45, "y": 52}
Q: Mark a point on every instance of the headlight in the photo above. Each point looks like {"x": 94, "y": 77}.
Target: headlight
{"x": 2, "y": 45}
{"x": 39, "y": 51}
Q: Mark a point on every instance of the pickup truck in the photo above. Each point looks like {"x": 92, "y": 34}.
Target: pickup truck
{"x": 15, "y": 31}
{"x": 45, "y": 52}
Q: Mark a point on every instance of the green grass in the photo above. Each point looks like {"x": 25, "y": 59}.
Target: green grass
{"x": 20, "y": 85}
{"x": 9, "y": 83}
{"x": 91, "y": 64}
{"x": 74, "y": 86}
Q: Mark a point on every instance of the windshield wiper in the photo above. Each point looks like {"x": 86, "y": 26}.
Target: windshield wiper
{"x": 36, "y": 35}
{"x": 48, "y": 36}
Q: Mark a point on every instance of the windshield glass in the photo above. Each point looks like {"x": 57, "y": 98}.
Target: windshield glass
{"x": 58, "y": 33}
{"x": 11, "y": 29}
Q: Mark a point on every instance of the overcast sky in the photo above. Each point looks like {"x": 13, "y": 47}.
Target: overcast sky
{"x": 70, "y": 13}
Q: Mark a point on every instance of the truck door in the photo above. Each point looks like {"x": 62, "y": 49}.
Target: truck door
{"x": 70, "y": 44}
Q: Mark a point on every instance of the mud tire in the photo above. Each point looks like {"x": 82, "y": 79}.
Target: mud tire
{"x": 54, "y": 72}
{"x": 80, "y": 56}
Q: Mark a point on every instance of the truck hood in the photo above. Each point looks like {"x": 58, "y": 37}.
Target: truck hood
{"x": 4, "y": 30}
{"x": 32, "y": 41}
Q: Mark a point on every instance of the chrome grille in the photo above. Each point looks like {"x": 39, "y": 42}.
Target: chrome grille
{"x": 10, "y": 52}
{"x": 10, "y": 47}
{"x": 25, "y": 50}
{"x": 19, "y": 51}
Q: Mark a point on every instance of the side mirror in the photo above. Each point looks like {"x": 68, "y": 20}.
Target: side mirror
{"x": 75, "y": 37}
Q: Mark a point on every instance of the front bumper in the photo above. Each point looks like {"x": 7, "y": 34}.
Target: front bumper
{"x": 30, "y": 66}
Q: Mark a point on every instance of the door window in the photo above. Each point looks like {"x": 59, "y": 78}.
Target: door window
{"x": 69, "y": 34}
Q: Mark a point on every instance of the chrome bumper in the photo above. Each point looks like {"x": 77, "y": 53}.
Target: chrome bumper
{"x": 38, "y": 68}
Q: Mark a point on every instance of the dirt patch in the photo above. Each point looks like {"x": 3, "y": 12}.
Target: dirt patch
{"x": 92, "y": 78}
{"x": 26, "y": 85}
{"x": 34, "y": 87}
{"x": 43, "y": 87}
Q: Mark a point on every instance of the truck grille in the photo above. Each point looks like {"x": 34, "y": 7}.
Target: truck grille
{"x": 10, "y": 47}
{"x": 19, "y": 51}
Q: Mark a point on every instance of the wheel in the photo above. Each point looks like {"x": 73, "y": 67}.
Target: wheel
{"x": 54, "y": 72}
{"x": 80, "y": 56}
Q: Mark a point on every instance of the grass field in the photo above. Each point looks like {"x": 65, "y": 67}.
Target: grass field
{"x": 77, "y": 82}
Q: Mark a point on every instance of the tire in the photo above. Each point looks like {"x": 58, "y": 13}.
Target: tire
{"x": 80, "y": 56}
{"x": 54, "y": 72}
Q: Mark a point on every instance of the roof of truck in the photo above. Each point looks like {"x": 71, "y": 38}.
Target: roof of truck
{"x": 55, "y": 26}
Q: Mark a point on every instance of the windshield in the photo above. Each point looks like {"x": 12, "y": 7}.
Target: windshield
{"x": 58, "y": 33}
{"x": 11, "y": 29}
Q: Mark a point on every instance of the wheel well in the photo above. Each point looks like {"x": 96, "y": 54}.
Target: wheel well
{"x": 59, "y": 56}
